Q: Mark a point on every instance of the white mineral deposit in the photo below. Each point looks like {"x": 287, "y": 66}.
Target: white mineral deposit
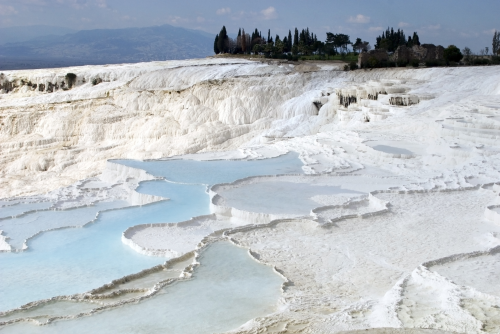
{"x": 228, "y": 195}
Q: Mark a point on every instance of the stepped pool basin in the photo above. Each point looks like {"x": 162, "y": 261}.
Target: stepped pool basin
{"x": 228, "y": 289}
{"x": 74, "y": 260}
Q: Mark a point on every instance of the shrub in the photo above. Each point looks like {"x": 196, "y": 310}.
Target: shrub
{"x": 415, "y": 63}
{"x": 434, "y": 63}
{"x": 373, "y": 63}
{"x": 402, "y": 63}
{"x": 353, "y": 66}
{"x": 481, "y": 61}
{"x": 346, "y": 67}
{"x": 391, "y": 64}
{"x": 452, "y": 54}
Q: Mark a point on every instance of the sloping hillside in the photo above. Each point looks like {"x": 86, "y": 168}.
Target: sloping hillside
{"x": 106, "y": 46}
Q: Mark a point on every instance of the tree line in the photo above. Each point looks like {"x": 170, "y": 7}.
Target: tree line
{"x": 390, "y": 40}
{"x": 484, "y": 57}
{"x": 305, "y": 43}
{"x": 302, "y": 42}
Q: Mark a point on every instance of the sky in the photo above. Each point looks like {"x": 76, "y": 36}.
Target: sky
{"x": 459, "y": 22}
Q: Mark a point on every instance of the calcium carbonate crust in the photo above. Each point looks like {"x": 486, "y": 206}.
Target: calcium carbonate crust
{"x": 422, "y": 213}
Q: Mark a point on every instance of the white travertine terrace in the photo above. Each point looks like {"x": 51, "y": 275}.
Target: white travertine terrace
{"x": 413, "y": 245}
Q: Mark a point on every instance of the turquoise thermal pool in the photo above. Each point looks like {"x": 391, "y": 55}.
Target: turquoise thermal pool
{"x": 74, "y": 260}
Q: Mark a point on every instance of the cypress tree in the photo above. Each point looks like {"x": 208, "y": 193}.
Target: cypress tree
{"x": 296, "y": 38}
{"x": 410, "y": 42}
{"x": 289, "y": 40}
{"x": 416, "y": 41}
{"x": 221, "y": 43}
{"x": 216, "y": 44}
{"x": 238, "y": 42}
{"x": 495, "y": 44}
{"x": 243, "y": 41}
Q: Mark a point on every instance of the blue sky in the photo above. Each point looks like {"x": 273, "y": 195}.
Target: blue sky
{"x": 459, "y": 22}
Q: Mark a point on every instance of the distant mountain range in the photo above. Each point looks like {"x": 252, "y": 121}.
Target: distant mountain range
{"x": 22, "y": 34}
{"x": 106, "y": 46}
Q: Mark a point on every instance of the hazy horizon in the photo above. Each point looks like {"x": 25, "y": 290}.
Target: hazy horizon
{"x": 460, "y": 22}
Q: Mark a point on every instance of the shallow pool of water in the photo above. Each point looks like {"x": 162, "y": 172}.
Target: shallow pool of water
{"x": 228, "y": 289}
{"x": 392, "y": 149}
{"x": 218, "y": 171}
{"x": 75, "y": 260}
{"x": 278, "y": 197}
{"x": 17, "y": 209}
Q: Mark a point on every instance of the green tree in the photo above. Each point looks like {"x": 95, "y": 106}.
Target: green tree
{"x": 495, "y": 45}
{"x": 216, "y": 44}
{"x": 342, "y": 41}
{"x": 279, "y": 46}
{"x": 390, "y": 40}
{"x": 296, "y": 38}
{"x": 357, "y": 45}
{"x": 468, "y": 58}
{"x": 243, "y": 41}
{"x": 416, "y": 40}
{"x": 222, "y": 42}
{"x": 452, "y": 53}
{"x": 257, "y": 49}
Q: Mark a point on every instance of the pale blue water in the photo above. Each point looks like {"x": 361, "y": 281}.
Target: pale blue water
{"x": 76, "y": 260}
{"x": 277, "y": 197}
{"x": 229, "y": 288}
{"x": 23, "y": 227}
{"x": 17, "y": 209}
{"x": 392, "y": 149}
{"x": 213, "y": 172}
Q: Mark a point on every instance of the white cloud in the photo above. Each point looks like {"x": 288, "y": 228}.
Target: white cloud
{"x": 433, "y": 27}
{"x": 223, "y": 11}
{"x": 7, "y": 10}
{"x": 101, "y": 4}
{"x": 490, "y": 32}
{"x": 380, "y": 29}
{"x": 78, "y": 4}
{"x": 403, "y": 24}
{"x": 33, "y": 2}
{"x": 359, "y": 19}
{"x": 200, "y": 19}
{"x": 268, "y": 13}
{"x": 178, "y": 20}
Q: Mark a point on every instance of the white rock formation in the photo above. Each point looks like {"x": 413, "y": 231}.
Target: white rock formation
{"x": 411, "y": 241}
